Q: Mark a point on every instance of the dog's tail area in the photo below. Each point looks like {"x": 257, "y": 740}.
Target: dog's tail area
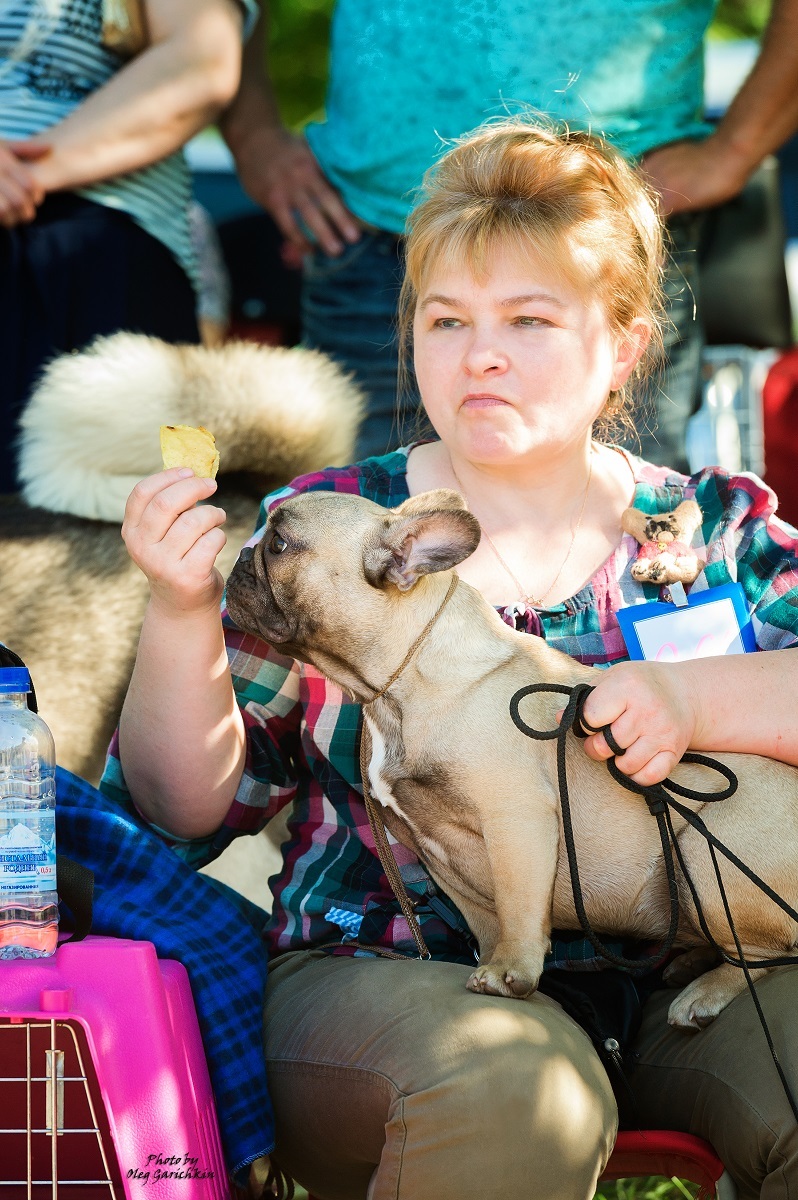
{"x": 90, "y": 431}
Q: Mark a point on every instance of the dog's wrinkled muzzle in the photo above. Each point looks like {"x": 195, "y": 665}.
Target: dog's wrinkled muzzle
{"x": 250, "y": 601}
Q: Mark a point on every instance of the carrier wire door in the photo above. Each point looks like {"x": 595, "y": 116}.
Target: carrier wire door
{"x": 55, "y": 1140}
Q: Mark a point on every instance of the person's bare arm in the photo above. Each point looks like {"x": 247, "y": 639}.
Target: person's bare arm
{"x": 181, "y": 735}
{"x": 155, "y": 103}
{"x": 762, "y": 116}
{"x": 746, "y": 703}
{"x": 276, "y": 167}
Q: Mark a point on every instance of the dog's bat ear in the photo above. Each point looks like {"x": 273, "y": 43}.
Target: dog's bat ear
{"x": 634, "y": 521}
{"x": 427, "y": 502}
{"x": 416, "y": 543}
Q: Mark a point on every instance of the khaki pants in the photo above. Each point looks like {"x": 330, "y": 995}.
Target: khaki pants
{"x": 392, "y": 1082}
{"x": 722, "y": 1084}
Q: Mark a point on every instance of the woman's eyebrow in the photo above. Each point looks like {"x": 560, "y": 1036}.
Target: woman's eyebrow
{"x": 434, "y": 298}
{"x": 510, "y": 302}
{"x": 532, "y": 298}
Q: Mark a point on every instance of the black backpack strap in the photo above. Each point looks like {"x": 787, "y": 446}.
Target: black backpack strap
{"x": 76, "y": 889}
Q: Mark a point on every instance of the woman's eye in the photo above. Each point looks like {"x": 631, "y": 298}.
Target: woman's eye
{"x": 277, "y": 544}
{"x": 447, "y": 323}
{"x": 532, "y": 321}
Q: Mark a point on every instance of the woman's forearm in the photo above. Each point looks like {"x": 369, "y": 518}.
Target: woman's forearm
{"x": 746, "y": 703}
{"x": 181, "y": 735}
{"x": 155, "y": 103}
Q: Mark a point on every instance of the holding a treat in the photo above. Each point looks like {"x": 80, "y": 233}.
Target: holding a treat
{"x": 185, "y": 446}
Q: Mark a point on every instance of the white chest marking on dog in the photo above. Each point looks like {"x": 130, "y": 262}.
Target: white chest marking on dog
{"x": 380, "y": 788}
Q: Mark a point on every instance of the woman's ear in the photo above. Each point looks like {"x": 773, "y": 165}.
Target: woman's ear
{"x": 630, "y": 348}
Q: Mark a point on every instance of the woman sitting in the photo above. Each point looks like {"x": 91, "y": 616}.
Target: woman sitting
{"x": 532, "y": 301}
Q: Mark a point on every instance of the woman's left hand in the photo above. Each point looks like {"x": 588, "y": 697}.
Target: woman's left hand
{"x": 20, "y": 192}
{"x": 650, "y": 716}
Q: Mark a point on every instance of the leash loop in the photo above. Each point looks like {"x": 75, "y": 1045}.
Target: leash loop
{"x": 539, "y": 735}
{"x": 702, "y": 760}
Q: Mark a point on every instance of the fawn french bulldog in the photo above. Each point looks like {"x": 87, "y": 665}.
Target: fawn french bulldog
{"x": 339, "y": 582}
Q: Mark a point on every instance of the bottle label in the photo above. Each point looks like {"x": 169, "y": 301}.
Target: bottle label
{"x": 27, "y": 860}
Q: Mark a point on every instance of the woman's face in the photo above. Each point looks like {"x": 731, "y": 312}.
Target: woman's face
{"x": 515, "y": 365}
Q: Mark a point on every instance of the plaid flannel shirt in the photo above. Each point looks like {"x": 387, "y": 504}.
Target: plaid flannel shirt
{"x": 303, "y": 732}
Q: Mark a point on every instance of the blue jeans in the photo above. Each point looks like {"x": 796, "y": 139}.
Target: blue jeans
{"x": 349, "y": 312}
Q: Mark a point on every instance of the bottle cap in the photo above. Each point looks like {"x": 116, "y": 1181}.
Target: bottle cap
{"x": 14, "y": 680}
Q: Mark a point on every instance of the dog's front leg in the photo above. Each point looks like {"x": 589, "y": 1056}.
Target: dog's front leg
{"x": 522, "y": 851}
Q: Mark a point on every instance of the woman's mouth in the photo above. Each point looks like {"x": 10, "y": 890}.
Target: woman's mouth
{"x": 482, "y": 400}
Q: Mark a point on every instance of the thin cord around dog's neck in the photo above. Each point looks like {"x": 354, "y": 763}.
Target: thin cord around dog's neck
{"x": 424, "y": 632}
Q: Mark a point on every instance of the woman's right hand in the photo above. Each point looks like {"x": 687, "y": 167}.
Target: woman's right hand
{"x": 175, "y": 541}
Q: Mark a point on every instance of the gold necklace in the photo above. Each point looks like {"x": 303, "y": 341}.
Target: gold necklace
{"x": 525, "y": 597}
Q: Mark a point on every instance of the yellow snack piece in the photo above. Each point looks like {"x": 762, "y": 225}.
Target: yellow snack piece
{"x": 185, "y": 446}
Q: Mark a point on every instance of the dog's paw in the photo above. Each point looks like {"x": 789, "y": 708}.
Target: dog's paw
{"x": 702, "y": 1000}
{"x": 684, "y": 1013}
{"x": 503, "y": 979}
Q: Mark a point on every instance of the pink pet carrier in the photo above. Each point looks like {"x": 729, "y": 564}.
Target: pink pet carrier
{"x": 104, "y": 1088}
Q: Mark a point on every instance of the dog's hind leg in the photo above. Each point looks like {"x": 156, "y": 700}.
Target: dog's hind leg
{"x": 689, "y": 965}
{"x": 705, "y": 997}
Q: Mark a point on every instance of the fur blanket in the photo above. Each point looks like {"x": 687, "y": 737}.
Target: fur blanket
{"x": 71, "y": 601}
{"x": 91, "y": 429}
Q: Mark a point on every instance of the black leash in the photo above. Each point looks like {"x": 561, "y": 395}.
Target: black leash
{"x": 660, "y": 802}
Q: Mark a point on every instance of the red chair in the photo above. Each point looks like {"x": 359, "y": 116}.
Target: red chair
{"x": 662, "y": 1152}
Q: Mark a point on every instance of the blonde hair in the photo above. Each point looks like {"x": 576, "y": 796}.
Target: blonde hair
{"x": 562, "y": 194}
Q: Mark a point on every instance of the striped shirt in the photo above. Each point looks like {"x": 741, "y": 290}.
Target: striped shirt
{"x": 303, "y": 732}
{"x": 48, "y": 67}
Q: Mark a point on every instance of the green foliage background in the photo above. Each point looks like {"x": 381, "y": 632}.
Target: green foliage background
{"x": 298, "y": 56}
{"x": 300, "y": 33}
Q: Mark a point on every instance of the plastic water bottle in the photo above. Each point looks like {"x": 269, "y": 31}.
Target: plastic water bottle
{"x": 28, "y": 897}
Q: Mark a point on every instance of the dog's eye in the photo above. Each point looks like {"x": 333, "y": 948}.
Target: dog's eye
{"x": 277, "y": 544}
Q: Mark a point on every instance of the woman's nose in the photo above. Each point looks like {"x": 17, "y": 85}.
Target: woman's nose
{"x": 485, "y": 356}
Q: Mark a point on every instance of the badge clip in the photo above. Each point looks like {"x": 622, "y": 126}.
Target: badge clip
{"x": 676, "y": 594}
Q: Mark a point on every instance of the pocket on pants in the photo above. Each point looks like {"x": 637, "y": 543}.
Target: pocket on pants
{"x": 318, "y": 265}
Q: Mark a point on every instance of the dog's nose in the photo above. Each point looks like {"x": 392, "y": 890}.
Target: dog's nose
{"x": 246, "y": 553}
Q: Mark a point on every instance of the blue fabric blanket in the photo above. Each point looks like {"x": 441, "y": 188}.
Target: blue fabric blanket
{"x": 142, "y": 890}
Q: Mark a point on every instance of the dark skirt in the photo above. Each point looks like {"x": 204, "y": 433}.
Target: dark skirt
{"x": 79, "y": 270}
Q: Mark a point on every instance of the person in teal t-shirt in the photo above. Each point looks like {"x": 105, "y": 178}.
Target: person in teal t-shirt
{"x": 406, "y": 75}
